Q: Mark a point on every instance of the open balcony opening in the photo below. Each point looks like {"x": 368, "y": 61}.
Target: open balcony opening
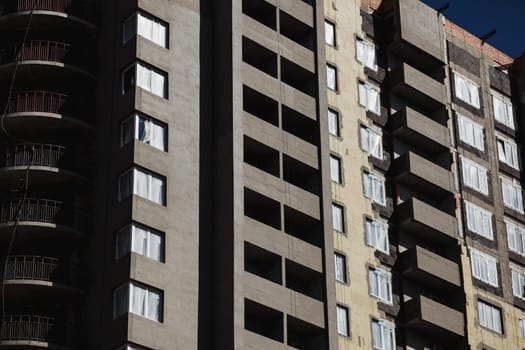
{"x": 296, "y": 30}
{"x": 300, "y": 175}
{"x": 302, "y": 226}
{"x": 261, "y": 11}
{"x": 263, "y": 320}
{"x": 261, "y": 156}
{"x": 261, "y": 106}
{"x": 297, "y": 77}
{"x": 262, "y": 263}
{"x": 262, "y": 209}
{"x": 259, "y": 57}
{"x": 303, "y": 335}
{"x": 304, "y": 280}
{"x": 300, "y": 125}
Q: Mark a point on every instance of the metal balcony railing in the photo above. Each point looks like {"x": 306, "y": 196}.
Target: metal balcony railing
{"x": 33, "y": 154}
{"x": 37, "y": 101}
{"x": 46, "y": 5}
{"x": 42, "y": 50}
{"x": 27, "y": 327}
{"x": 35, "y": 210}
{"x": 27, "y": 267}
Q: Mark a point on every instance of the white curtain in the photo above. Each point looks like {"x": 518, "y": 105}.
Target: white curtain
{"x": 158, "y": 138}
{"x": 143, "y": 129}
{"x": 518, "y": 284}
{"x": 342, "y": 321}
{"x": 155, "y": 246}
{"x": 340, "y": 268}
{"x": 143, "y": 77}
{"x": 159, "y": 34}
{"x": 373, "y": 100}
{"x": 158, "y": 84}
{"x": 141, "y": 183}
{"x": 145, "y": 27}
{"x": 335, "y": 169}
{"x": 333, "y": 123}
{"x": 471, "y": 132}
{"x": 153, "y": 305}
{"x": 466, "y": 90}
{"x": 329, "y": 30}
{"x": 140, "y": 240}
{"x": 337, "y": 217}
{"x": 363, "y": 95}
{"x": 331, "y": 78}
{"x": 503, "y": 111}
{"x": 157, "y": 190}
{"x": 377, "y": 341}
{"x": 138, "y": 300}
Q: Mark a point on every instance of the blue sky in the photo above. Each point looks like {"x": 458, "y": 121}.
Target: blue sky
{"x": 481, "y": 16}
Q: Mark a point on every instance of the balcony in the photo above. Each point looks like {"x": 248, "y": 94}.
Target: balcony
{"x": 419, "y": 130}
{"x": 423, "y": 175}
{"x": 49, "y": 165}
{"x": 28, "y": 276}
{"x": 430, "y": 269}
{"x": 41, "y": 218}
{"x": 425, "y": 220}
{"x": 418, "y": 88}
{"x": 43, "y": 59}
{"x": 24, "y": 331}
{"x": 433, "y": 318}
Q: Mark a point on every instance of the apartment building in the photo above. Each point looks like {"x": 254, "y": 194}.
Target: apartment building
{"x": 257, "y": 174}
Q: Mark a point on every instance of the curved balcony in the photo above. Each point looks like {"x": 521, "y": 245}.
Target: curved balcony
{"x": 41, "y": 219}
{"x": 49, "y": 165}
{"x": 48, "y": 14}
{"x": 44, "y": 59}
{"x": 31, "y": 331}
{"x": 28, "y": 276}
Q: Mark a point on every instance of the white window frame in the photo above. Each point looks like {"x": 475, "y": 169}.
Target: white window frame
{"x": 517, "y": 275}
{"x": 479, "y": 220}
{"x": 129, "y": 290}
{"x": 380, "y": 285}
{"x": 334, "y": 125}
{"x": 126, "y": 242}
{"x": 386, "y": 335}
{"x": 521, "y": 324}
{"x": 332, "y": 82}
{"x": 508, "y": 119}
{"x": 366, "y": 53}
{"x": 330, "y": 33}
{"x": 515, "y": 236}
{"x": 131, "y": 175}
{"x": 507, "y": 151}
{"x": 372, "y": 141}
{"x": 131, "y": 129}
{"x": 132, "y": 27}
{"x": 490, "y": 317}
{"x": 471, "y": 132}
{"x": 512, "y": 188}
{"x": 471, "y": 94}
{"x": 343, "y": 321}
{"x": 377, "y": 235}
{"x": 340, "y": 268}
{"x": 374, "y": 187}
{"x": 474, "y": 175}
{"x": 339, "y": 227}
{"x": 484, "y": 267}
{"x": 154, "y": 73}
{"x": 336, "y": 169}
{"x": 370, "y": 97}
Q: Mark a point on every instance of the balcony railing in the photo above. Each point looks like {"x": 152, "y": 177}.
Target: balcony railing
{"x": 78, "y": 8}
{"x": 35, "y": 268}
{"x": 33, "y": 154}
{"x": 27, "y": 327}
{"x": 37, "y": 101}
{"x": 46, "y": 5}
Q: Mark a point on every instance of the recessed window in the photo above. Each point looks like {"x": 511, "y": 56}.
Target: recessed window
{"x": 512, "y": 195}
{"x": 471, "y": 132}
{"x": 143, "y": 184}
{"x": 342, "y": 321}
{"x": 335, "y": 169}
{"x": 377, "y": 235}
{"x": 380, "y": 283}
{"x": 369, "y": 97}
{"x": 366, "y": 53}
{"x": 490, "y": 317}
{"x": 522, "y": 328}
{"x": 515, "y": 236}
{"x": 518, "y": 282}
{"x": 146, "y": 78}
{"x": 147, "y": 27}
{"x": 340, "y": 268}
{"x": 466, "y": 90}
{"x": 374, "y": 188}
{"x": 484, "y": 267}
{"x": 372, "y": 142}
{"x": 507, "y": 151}
{"x": 383, "y": 335}
{"x": 338, "y": 217}
{"x": 503, "y": 111}
{"x": 333, "y": 123}
{"x": 474, "y": 176}
{"x": 329, "y": 32}
{"x": 331, "y": 77}
{"x": 141, "y": 240}
{"x": 479, "y": 220}
{"x": 145, "y": 129}
{"x": 138, "y": 299}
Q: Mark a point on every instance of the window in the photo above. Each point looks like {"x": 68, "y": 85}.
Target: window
{"x": 366, "y": 53}
{"x": 474, "y": 176}
{"x": 518, "y": 282}
{"x": 503, "y": 111}
{"x": 374, "y": 188}
{"x": 515, "y": 237}
{"x": 383, "y": 335}
{"x": 143, "y": 184}
{"x": 144, "y": 129}
{"x": 522, "y": 328}
{"x": 329, "y": 32}
{"x": 147, "y": 27}
{"x": 466, "y": 90}
{"x": 141, "y": 240}
{"x": 372, "y": 142}
{"x": 333, "y": 123}
{"x": 138, "y": 299}
{"x": 369, "y": 97}
{"x": 331, "y": 77}
{"x": 145, "y": 77}
{"x": 484, "y": 267}
{"x": 512, "y": 196}
{"x": 507, "y": 151}
{"x": 377, "y": 235}
{"x": 479, "y": 220}
{"x": 335, "y": 169}
{"x": 342, "y": 321}
{"x": 340, "y": 268}
{"x": 490, "y": 317}
{"x": 471, "y": 133}
{"x": 338, "y": 217}
{"x": 380, "y": 285}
